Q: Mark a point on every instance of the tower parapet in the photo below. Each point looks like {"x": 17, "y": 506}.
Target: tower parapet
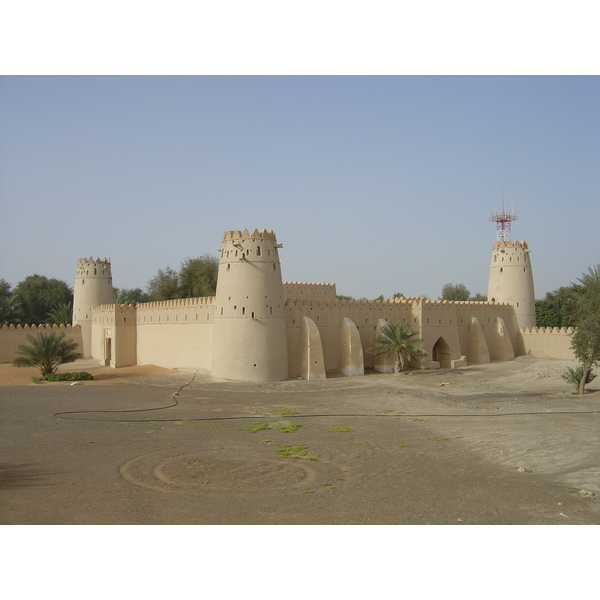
{"x": 93, "y": 286}
{"x": 249, "y": 335}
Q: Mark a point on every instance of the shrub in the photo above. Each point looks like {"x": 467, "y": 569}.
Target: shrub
{"x": 574, "y": 375}
{"x": 82, "y": 376}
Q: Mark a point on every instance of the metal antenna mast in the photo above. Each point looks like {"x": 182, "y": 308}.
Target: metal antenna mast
{"x": 503, "y": 221}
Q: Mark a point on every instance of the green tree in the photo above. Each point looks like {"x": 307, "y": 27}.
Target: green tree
{"x": 456, "y": 292}
{"x": 47, "y": 351}
{"x": 4, "y": 288}
{"x": 478, "y": 298}
{"x": 398, "y": 295}
{"x": 37, "y": 295}
{"x": 198, "y": 276}
{"x": 586, "y": 339}
{"x": 164, "y": 286}
{"x": 61, "y": 314}
{"x": 557, "y": 309}
{"x": 399, "y": 341}
{"x": 11, "y": 312}
{"x": 130, "y": 296}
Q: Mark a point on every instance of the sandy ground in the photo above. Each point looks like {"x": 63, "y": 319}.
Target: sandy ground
{"x": 505, "y": 443}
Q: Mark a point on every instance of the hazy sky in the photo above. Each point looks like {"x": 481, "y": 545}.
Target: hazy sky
{"x": 378, "y": 184}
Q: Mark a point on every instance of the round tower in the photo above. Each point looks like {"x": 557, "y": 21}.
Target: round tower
{"x": 511, "y": 280}
{"x": 249, "y": 331}
{"x": 93, "y": 286}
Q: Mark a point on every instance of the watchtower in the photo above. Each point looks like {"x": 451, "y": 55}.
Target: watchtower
{"x": 511, "y": 277}
{"x": 249, "y": 331}
{"x": 93, "y": 286}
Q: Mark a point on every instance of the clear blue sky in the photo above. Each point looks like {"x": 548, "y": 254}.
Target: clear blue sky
{"x": 377, "y": 184}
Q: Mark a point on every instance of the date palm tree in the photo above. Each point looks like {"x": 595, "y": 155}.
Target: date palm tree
{"x": 61, "y": 314}
{"x": 48, "y": 351}
{"x": 10, "y": 311}
{"x": 401, "y": 342}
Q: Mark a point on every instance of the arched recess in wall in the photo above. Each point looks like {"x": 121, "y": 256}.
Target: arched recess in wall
{"x": 441, "y": 353}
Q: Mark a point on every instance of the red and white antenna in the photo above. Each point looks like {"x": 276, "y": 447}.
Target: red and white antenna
{"x": 503, "y": 221}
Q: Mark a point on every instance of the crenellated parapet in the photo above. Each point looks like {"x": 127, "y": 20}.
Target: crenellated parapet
{"x": 510, "y": 244}
{"x": 93, "y": 267}
{"x": 113, "y": 307}
{"x": 43, "y": 328}
{"x": 548, "y": 330}
{"x": 178, "y": 303}
{"x": 263, "y": 234}
{"x": 344, "y": 303}
{"x": 435, "y": 304}
{"x": 308, "y": 290}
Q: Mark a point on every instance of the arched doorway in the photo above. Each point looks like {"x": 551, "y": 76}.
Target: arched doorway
{"x": 441, "y": 353}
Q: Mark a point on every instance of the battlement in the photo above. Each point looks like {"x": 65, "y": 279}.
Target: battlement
{"x": 202, "y": 301}
{"x": 87, "y": 267}
{"x": 82, "y": 263}
{"x": 41, "y": 327}
{"x": 315, "y": 290}
{"x": 110, "y": 307}
{"x": 263, "y": 234}
{"x": 457, "y": 303}
{"x": 509, "y": 244}
{"x": 548, "y": 330}
{"x": 337, "y": 302}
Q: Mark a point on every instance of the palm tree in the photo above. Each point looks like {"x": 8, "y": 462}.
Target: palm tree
{"x": 400, "y": 341}
{"x": 61, "y": 314}
{"x": 10, "y": 310}
{"x": 47, "y": 351}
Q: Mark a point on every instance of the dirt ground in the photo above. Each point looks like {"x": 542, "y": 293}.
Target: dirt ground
{"x": 505, "y": 443}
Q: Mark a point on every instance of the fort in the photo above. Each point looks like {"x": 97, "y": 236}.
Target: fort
{"x": 258, "y": 328}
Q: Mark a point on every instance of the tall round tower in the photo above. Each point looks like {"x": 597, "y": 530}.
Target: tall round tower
{"x": 93, "y": 286}
{"x": 511, "y": 280}
{"x": 249, "y": 331}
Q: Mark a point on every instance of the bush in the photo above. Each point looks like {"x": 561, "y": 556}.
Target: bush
{"x": 82, "y": 376}
{"x": 574, "y": 375}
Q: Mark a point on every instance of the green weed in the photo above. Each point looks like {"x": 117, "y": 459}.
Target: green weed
{"x": 291, "y": 428}
{"x": 338, "y": 429}
{"x": 254, "y": 428}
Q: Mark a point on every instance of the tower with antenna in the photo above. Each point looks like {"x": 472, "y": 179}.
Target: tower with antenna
{"x": 511, "y": 276}
{"x": 503, "y": 221}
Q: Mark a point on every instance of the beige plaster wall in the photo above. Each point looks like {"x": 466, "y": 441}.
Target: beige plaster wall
{"x": 11, "y": 337}
{"x": 547, "y": 342}
{"x": 176, "y": 333}
{"x": 328, "y": 316}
